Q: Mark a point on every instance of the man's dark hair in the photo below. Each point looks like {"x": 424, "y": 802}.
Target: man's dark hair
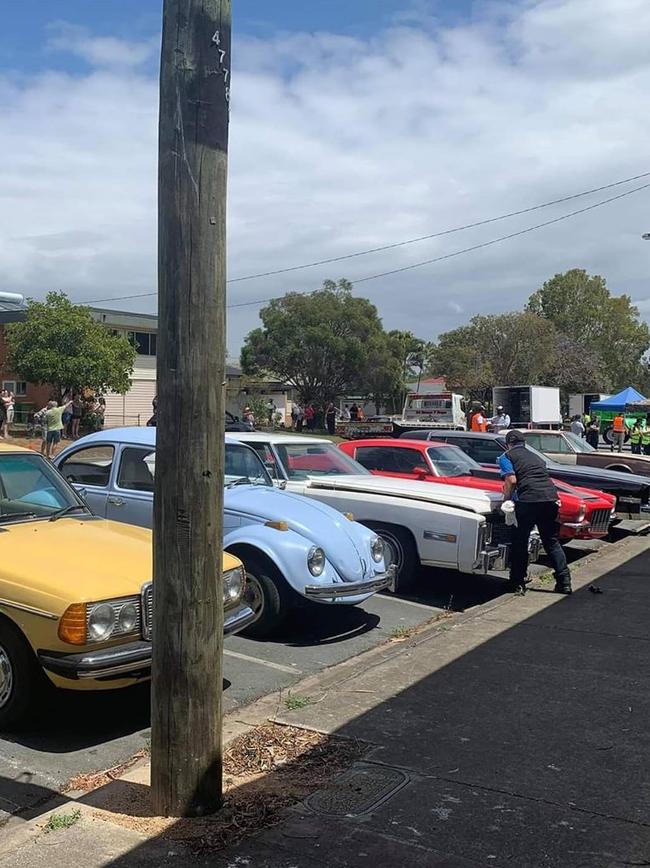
{"x": 514, "y": 437}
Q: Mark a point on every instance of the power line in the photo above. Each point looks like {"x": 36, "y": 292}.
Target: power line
{"x": 467, "y": 249}
{"x": 424, "y": 237}
{"x": 437, "y": 234}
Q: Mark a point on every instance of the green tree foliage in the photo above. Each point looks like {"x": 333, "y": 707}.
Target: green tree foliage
{"x": 498, "y": 349}
{"x": 320, "y": 342}
{"x": 60, "y": 343}
{"x": 411, "y": 354}
{"x": 581, "y": 307}
{"x": 512, "y": 349}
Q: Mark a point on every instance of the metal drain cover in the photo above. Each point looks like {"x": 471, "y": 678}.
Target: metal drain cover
{"x": 358, "y": 791}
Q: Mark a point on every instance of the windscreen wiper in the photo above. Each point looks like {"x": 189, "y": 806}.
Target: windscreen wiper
{"x": 65, "y": 510}
{"x": 11, "y": 515}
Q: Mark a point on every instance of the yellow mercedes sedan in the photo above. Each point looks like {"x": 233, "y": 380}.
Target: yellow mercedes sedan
{"x": 76, "y": 594}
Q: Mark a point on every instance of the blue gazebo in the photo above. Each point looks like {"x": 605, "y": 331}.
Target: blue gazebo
{"x": 617, "y": 403}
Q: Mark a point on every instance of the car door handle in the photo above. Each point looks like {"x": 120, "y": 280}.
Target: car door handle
{"x": 116, "y": 501}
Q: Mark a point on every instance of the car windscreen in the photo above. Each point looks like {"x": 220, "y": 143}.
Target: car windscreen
{"x": 301, "y": 460}
{"x": 31, "y": 487}
{"x": 243, "y": 464}
{"x": 451, "y": 461}
{"x": 578, "y": 443}
{"x": 547, "y": 461}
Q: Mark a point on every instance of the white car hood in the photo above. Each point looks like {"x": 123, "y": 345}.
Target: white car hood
{"x": 471, "y": 499}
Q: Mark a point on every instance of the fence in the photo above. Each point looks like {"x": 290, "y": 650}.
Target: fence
{"x": 21, "y": 422}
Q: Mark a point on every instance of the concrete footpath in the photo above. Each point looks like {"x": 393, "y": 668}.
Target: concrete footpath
{"x": 517, "y": 734}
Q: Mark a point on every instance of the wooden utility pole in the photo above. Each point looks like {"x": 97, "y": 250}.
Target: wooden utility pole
{"x": 188, "y": 607}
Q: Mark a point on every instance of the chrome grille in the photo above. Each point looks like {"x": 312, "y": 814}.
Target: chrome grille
{"x": 599, "y": 520}
{"x": 501, "y": 532}
{"x": 147, "y": 610}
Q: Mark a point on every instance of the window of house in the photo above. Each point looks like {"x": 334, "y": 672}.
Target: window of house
{"x": 18, "y": 387}
{"x": 144, "y": 342}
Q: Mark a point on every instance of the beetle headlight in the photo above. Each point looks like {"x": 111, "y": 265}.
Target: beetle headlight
{"x": 87, "y": 623}
{"x": 316, "y": 561}
{"x": 377, "y": 549}
{"x": 233, "y": 586}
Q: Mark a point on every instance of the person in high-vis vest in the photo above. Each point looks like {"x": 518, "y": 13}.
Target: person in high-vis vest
{"x": 618, "y": 432}
{"x": 479, "y": 421}
{"x": 645, "y": 439}
{"x": 636, "y": 433}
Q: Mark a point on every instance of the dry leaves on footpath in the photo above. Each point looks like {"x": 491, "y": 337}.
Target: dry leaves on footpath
{"x": 266, "y": 770}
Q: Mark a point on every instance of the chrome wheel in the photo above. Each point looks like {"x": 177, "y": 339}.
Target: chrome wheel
{"x": 254, "y": 594}
{"x": 6, "y": 677}
{"x": 394, "y": 550}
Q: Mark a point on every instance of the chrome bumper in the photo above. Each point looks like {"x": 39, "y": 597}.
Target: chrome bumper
{"x": 382, "y": 582}
{"x": 498, "y": 557}
{"x": 132, "y": 660}
{"x": 238, "y": 619}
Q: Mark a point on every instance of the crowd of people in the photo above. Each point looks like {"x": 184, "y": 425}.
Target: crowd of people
{"x": 638, "y": 432}
{"x": 314, "y": 419}
{"x": 479, "y": 420}
{"x": 62, "y": 420}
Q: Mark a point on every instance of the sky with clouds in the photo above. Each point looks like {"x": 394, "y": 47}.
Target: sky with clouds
{"x": 353, "y": 125}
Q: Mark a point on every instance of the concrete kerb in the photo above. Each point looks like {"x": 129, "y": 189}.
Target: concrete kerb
{"x": 18, "y": 832}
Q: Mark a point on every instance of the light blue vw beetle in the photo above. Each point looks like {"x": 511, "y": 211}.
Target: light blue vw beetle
{"x": 293, "y": 548}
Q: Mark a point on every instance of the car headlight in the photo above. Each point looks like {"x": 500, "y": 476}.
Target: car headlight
{"x": 582, "y": 512}
{"x": 87, "y": 623}
{"x": 316, "y": 561}
{"x": 377, "y": 549}
{"x": 234, "y": 582}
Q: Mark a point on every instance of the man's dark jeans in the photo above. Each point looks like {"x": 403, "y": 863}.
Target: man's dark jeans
{"x": 544, "y": 515}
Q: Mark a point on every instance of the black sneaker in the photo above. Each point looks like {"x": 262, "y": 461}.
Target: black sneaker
{"x": 517, "y": 589}
{"x": 562, "y": 588}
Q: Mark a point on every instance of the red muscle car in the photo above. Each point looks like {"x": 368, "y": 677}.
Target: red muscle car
{"x": 584, "y": 513}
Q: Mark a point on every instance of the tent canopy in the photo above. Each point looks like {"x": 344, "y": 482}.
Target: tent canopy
{"x": 618, "y": 401}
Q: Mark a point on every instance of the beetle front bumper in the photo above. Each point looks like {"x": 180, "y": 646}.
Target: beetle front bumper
{"x": 132, "y": 660}
{"x": 381, "y": 582}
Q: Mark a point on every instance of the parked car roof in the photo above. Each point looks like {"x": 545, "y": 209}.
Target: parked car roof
{"x": 423, "y": 433}
{"x": 260, "y": 436}
{"x": 138, "y": 435}
{"x": 9, "y": 447}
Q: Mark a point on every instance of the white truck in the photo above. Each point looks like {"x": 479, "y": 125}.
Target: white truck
{"x": 431, "y": 410}
{"x": 436, "y": 525}
{"x": 579, "y": 403}
{"x": 538, "y": 406}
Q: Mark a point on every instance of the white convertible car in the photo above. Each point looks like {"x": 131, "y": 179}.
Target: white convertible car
{"x": 437, "y": 525}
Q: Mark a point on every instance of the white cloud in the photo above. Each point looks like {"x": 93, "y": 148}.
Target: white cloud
{"x": 103, "y": 51}
{"x": 338, "y": 144}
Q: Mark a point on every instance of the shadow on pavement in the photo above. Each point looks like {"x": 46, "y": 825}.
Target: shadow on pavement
{"x": 78, "y": 720}
{"x": 454, "y": 591}
{"x": 321, "y": 625}
{"x": 520, "y": 744}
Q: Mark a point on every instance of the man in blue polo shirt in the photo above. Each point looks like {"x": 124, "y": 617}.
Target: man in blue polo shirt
{"x": 526, "y": 481}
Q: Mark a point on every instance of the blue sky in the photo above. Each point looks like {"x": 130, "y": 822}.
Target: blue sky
{"x": 26, "y": 23}
{"x": 355, "y": 124}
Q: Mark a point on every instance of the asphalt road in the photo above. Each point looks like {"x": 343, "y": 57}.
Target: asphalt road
{"x": 80, "y": 733}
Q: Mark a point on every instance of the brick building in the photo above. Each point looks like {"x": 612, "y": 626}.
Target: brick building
{"x": 131, "y": 408}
